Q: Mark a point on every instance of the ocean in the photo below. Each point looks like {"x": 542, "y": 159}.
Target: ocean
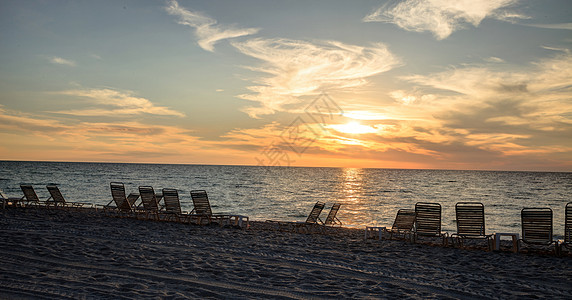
{"x": 368, "y": 196}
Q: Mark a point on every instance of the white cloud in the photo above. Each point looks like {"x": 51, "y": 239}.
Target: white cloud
{"x": 61, "y": 61}
{"x": 300, "y": 68}
{"x": 116, "y": 103}
{"x": 565, "y": 50}
{"x": 296, "y": 68}
{"x": 206, "y": 29}
{"x": 441, "y": 17}
{"x": 494, "y": 59}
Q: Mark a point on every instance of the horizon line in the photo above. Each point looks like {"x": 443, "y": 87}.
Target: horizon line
{"x": 294, "y": 166}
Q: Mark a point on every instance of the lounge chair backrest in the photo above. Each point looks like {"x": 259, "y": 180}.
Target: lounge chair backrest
{"x": 404, "y": 220}
{"x": 148, "y": 198}
{"x": 171, "y": 199}
{"x": 201, "y": 203}
{"x": 470, "y": 218}
{"x": 428, "y": 218}
{"x": 314, "y": 215}
{"x": 118, "y": 194}
{"x": 568, "y": 224}
{"x": 536, "y": 225}
{"x": 331, "y": 218}
{"x": 29, "y": 193}
{"x": 56, "y": 194}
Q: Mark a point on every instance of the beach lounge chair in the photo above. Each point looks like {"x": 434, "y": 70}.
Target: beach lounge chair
{"x": 402, "y": 225}
{"x": 313, "y": 219}
{"x": 58, "y": 200}
{"x": 30, "y": 195}
{"x": 537, "y": 227}
{"x": 428, "y": 221}
{"x": 471, "y": 223}
{"x": 202, "y": 213}
{"x": 568, "y": 227}
{"x": 124, "y": 205}
{"x": 311, "y": 222}
{"x": 149, "y": 202}
{"x": 331, "y": 219}
{"x": 172, "y": 210}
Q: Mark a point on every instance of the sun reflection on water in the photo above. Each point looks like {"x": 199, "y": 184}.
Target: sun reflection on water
{"x": 356, "y": 188}
{"x": 352, "y": 184}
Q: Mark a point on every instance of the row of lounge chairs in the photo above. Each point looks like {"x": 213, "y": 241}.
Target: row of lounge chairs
{"x": 313, "y": 222}
{"x": 425, "y": 221}
{"x": 123, "y": 205}
{"x": 30, "y": 198}
{"x": 150, "y": 207}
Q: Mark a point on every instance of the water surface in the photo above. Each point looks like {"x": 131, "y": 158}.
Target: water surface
{"x": 368, "y": 196}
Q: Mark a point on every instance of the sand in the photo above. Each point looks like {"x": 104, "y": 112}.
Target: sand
{"x": 52, "y": 254}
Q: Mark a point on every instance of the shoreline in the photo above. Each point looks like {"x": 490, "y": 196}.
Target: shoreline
{"x": 67, "y": 254}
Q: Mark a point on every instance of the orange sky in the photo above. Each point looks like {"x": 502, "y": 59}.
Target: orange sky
{"x": 411, "y": 84}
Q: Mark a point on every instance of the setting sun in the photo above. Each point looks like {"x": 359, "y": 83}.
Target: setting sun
{"x": 248, "y": 88}
{"x": 353, "y": 128}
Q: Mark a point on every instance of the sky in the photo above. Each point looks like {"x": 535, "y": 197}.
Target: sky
{"x": 436, "y": 84}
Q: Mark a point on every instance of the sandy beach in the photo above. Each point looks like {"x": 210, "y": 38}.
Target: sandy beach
{"x": 54, "y": 254}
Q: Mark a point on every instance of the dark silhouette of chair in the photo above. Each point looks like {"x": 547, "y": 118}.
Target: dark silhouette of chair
{"x": 537, "y": 227}
{"x": 331, "y": 222}
{"x": 150, "y": 203}
{"x": 124, "y": 205}
{"x": 58, "y": 200}
{"x": 331, "y": 219}
{"x": 314, "y": 216}
{"x": 30, "y": 195}
{"x": 567, "y": 227}
{"x": 428, "y": 221}
{"x": 172, "y": 210}
{"x": 402, "y": 225}
{"x": 471, "y": 223}
{"x": 202, "y": 213}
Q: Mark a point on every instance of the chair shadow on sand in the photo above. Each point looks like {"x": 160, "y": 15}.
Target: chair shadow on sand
{"x": 313, "y": 222}
{"x": 306, "y": 226}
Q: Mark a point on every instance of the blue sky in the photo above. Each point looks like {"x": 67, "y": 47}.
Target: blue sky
{"x": 410, "y": 84}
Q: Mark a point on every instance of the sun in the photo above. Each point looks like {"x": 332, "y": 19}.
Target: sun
{"x": 353, "y": 128}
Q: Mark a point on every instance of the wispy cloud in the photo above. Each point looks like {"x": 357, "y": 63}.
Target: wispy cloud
{"x": 466, "y": 117}
{"x": 113, "y": 103}
{"x": 565, "y": 26}
{"x": 508, "y": 113}
{"x": 494, "y": 59}
{"x": 94, "y": 141}
{"x": 206, "y": 29}
{"x": 441, "y": 17}
{"x": 296, "y": 68}
{"x": 62, "y": 61}
{"x": 11, "y": 120}
{"x": 565, "y": 50}
{"x": 300, "y": 68}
